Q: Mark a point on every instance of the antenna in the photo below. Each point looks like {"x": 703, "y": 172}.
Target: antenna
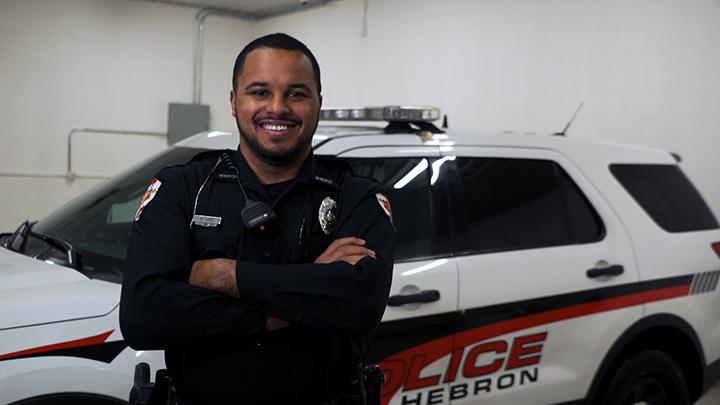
{"x": 564, "y": 131}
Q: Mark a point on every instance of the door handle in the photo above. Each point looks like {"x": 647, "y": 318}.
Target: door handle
{"x": 421, "y": 297}
{"x": 614, "y": 270}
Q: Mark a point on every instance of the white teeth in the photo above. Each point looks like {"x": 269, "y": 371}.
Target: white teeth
{"x": 271, "y": 127}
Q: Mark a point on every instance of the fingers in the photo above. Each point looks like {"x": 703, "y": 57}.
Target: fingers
{"x": 346, "y": 241}
{"x": 272, "y": 323}
{"x": 353, "y": 250}
{"x": 352, "y": 259}
{"x": 349, "y": 249}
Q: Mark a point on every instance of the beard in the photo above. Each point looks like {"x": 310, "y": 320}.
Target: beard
{"x": 277, "y": 157}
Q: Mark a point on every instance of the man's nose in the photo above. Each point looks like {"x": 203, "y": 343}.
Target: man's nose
{"x": 278, "y": 104}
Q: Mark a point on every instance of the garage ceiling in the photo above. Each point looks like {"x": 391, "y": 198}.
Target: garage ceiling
{"x": 254, "y": 9}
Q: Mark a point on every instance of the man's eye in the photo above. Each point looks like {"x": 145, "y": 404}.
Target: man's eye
{"x": 259, "y": 93}
{"x": 296, "y": 94}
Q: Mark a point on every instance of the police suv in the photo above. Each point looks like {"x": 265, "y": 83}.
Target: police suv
{"x": 529, "y": 270}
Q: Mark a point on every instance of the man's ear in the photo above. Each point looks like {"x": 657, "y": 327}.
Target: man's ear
{"x": 232, "y": 102}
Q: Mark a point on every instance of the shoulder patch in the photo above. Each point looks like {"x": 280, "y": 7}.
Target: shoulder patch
{"x": 385, "y": 205}
{"x": 149, "y": 195}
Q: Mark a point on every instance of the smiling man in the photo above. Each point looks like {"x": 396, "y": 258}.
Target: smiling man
{"x": 275, "y": 101}
{"x": 261, "y": 271}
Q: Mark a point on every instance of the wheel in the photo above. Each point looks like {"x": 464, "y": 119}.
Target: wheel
{"x": 647, "y": 378}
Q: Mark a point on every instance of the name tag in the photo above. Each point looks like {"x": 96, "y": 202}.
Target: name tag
{"x": 206, "y": 221}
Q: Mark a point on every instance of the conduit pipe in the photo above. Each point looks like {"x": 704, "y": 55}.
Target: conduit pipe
{"x": 199, "y": 42}
{"x": 70, "y": 175}
{"x": 208, "y": 11}
{"x": 52, "y": 176}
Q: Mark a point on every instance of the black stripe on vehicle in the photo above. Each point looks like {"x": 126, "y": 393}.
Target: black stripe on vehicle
{"x": 396, "y": 336}
{"x": 105, "y": 352}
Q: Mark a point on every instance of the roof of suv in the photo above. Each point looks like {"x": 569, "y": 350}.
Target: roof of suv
{"x": 334, "y": 139}
{"x": 413, "y": 126}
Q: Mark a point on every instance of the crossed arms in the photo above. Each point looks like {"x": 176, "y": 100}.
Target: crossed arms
{"x": 170, "y": 300}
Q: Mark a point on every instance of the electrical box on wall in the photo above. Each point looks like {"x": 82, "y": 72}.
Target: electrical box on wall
{"x": 185, "y": 120}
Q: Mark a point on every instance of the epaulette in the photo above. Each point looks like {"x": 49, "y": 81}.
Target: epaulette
{"x": 333, "y": 163}
{"x": 330, "y": 171}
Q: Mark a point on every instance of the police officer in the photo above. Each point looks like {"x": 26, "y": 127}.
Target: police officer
{"x": 260, "y": 271}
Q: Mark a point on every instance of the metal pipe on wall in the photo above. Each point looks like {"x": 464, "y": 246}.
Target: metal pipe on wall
{"x": 53, "y": 176}
{"x": 208, "y": 11}
{"x": 199, "y": 42}
{"x": 70, "y": 175}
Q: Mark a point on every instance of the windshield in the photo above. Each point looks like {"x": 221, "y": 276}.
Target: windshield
{"x": 98, "y": 222}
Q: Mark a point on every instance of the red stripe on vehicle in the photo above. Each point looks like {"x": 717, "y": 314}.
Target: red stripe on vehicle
{"x": 438, "y": 348}
{"x": 88, "y": 341}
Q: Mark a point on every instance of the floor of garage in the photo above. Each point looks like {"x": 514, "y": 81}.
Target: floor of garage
{"x": 712, "y": 397}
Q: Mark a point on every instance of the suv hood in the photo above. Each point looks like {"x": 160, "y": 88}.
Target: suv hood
{"x": 34, "y": 292}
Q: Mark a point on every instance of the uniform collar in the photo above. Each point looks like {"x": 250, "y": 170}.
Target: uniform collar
{"x": 310, "y": 171}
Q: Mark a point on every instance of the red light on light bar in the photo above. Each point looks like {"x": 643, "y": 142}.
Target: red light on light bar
{"x": 716, "y": 247}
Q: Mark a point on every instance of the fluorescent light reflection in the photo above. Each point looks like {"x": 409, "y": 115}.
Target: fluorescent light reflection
{"x": 320, "y": 137}
{"x": 426, "y": 267}
{"x": 414, "y": 172}
{"x": 217, "y": 133}
{"x": 436, "y": 168}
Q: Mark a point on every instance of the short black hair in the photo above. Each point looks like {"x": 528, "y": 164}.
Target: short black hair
{"x": 277, "y": 40}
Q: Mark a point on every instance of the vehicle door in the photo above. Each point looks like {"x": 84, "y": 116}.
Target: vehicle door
{"x": 545, "y": 277}
{"x": 416, "y": 333}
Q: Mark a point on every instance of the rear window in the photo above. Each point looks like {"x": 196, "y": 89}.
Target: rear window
{"x": 667, "y": 195}
{"x": 515, "y": 204}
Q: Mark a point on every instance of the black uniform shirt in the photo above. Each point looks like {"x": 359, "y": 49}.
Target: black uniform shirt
{"x": 216, "y": 347}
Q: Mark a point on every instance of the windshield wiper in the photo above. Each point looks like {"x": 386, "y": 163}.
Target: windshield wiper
{"x": 18, "y": 240}
{"x": 73, "y": 256}
{"x": 22, "y": 233}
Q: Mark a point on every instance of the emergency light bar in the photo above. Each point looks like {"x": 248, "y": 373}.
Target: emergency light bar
{"x": 387, "y": 113}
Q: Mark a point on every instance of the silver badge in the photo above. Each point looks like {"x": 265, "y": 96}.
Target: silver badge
{"x": 327, "y": 215}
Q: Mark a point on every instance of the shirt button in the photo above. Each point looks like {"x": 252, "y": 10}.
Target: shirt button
{"x": 258, "y": 343}
{"x": 267, "y": 253}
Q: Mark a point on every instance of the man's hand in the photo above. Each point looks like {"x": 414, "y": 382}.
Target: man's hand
{"x": 272, "y": 324}
{"x": 215, "y": 274}
{"x": 348, "y": 249}
{"x": 219, "y": 275}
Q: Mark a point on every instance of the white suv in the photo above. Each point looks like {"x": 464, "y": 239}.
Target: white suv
{"x": 529, "y": 270}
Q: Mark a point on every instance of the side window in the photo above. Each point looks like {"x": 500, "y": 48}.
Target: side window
{"x": 122, "y": 212}
{"x": 408, "y": 181}
{"x": 523, "y": 203}
{"x": 667, "y": 195}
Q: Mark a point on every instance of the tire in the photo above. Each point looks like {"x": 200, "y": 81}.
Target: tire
{"x": 648, "y": 378}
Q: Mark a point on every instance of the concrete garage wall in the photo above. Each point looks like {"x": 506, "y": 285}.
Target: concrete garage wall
{"x": 648, "y": 71}
{"x": 101, "y": 64}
